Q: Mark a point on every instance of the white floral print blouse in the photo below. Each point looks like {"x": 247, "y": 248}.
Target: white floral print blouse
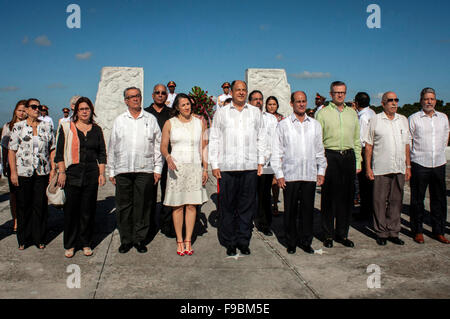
{"x": 27, "y": 160}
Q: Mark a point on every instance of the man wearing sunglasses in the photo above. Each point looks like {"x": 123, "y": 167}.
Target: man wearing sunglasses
{"x": 388, "y": 165}
{"x": 162, "y": 112}
{"x": 171, "y": 96}
{"x": 65, "y": 117}
{"x": 319, "y": 102}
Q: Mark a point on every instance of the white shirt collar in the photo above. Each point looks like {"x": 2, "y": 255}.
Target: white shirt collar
{"x": 233, "y": 107}
{"x": 423, "y": 114}
{"x": 294, "y": 118}
{"x": 141, "y": 114}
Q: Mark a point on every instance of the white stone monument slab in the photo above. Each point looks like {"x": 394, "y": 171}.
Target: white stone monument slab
{"x": 110, "y": 101}
{"x": 271, "y": 82}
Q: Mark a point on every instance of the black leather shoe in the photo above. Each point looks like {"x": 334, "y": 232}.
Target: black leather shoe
{"x": 140, "y": 247}
{"x": 307, "y": 249}
{"x": 381, "y": 241}
{"x": 231, "y": 251}
{"x": 124, "y": 248}
{"x": 267, "y": 232}
{"x": 328, "y": 243}
{"x": 244, "y": 250}
{"x": 291, "y": 250}
{"x": 346, "y": 242}
{"x": 396, "y": 241}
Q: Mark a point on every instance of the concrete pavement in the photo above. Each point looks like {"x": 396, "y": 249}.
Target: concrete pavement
{"x": 410, "y": 271}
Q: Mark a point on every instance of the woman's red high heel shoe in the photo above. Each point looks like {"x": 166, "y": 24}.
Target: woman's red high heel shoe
{"x": 188, "y": 252}
{"x": 180, "y": 253}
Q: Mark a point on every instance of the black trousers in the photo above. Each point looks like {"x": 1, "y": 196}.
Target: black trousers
{"x": 237, "y": 207}
{"x": 337, "y": 193}
{"x": 79, "y": 214}
{"x": 263, "y": 218}
{"x": 365, "y": 190}
{"x": 421, "y": 178}
{"x": 298, "y": 219}
{"x": 165, "y": 217}
{"x": 134, "y": 202}
{"x": 32, "y": 210}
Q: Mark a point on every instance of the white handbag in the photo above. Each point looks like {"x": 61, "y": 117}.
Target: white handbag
{"x": 55, "y": 194}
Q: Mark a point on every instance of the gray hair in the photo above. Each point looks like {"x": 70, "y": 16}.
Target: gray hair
{"x": 425, "y": 91}
{"x": 130, "y": 88}
{"x": 384, "y": 97}
{"x": 159, "y": 84}
{"x": 74, "y": 99}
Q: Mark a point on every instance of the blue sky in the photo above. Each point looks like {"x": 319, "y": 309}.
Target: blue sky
{"x": 205, "y": 43}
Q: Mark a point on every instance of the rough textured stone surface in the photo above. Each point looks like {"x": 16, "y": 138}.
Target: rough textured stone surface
{"x": 109, "y": 102}
{"x": 271, "y": 82}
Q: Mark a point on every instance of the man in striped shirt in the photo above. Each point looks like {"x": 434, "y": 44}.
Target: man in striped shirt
{"x": 429, "y": 131}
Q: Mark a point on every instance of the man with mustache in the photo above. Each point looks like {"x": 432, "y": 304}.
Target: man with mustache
{"x": 429, "y": 130}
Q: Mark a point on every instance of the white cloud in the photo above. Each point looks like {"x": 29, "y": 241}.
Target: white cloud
{"x": 84, "y": 56}
{"x": 43, "y": 41}
{"x": 311, "y": 75}
{"x": 25, "y": 40}
{"x": 9, "y": 89}
{"x": 279, "y": 56}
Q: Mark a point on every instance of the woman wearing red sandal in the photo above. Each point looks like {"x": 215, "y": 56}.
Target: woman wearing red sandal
{"x": 186, "y": 179}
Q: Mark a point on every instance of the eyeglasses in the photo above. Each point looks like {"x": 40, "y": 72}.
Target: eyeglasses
{"x": 339, "y": 93}
{"x": 85, "y": 109}
{"x": 160, "y": 92}
{"x": 34, "y": 107}
{"x": 133, "y": 96}
{"x": 392, "y": 100}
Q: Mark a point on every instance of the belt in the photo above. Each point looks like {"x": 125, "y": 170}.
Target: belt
{"x": 342, "y": 152}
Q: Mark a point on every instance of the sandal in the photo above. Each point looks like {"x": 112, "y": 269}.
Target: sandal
{"x": 87, "y": 251}
{"x": 188, "y": 252}
{"x": 21, "y": 247}
{"x": 180, "y": 253}
{"x": 41, "y": 246}
{"x": 69, "y": 253}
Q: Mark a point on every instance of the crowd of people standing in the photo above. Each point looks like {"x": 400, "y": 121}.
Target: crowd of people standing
{"x": 253, "y": 152}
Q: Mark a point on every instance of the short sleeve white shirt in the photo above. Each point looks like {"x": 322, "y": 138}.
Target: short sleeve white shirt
{"x": 389, "y": 139}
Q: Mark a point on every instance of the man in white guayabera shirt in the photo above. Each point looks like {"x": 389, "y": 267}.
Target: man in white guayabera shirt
{"x": 236, "y": 153}
{"x": 299, "y": 162}
{"x": 429, "y": 131}
{"x": 135, "y": 165}
{"x": 388, "y": 165}
{"x": 263, "y": 218}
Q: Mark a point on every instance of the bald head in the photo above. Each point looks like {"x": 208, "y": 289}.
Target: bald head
{"x": 385, "y": 96}
{"x": 298, "y": 94}
{"x": 299, "y": 103}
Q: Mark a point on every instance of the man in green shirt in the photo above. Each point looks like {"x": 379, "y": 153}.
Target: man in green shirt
{"x": 340, "y": 130}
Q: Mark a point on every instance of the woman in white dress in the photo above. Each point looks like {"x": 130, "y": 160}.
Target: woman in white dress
{"x": 188, "y": 168}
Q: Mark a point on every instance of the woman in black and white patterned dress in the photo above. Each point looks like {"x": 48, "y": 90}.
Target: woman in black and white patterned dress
{"x": 31, "y": 148}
